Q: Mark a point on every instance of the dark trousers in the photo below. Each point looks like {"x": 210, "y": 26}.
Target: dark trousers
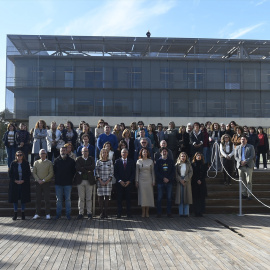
{"x": 53, "y": 154}
{"x": 45, "y": 189}
{"x": 261, "y": 150}
{"x": 124, "y": 192}
{"x": 229, "y": 166}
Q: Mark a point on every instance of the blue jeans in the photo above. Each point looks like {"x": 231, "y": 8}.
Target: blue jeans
{"x": 161, "y": 188}
{"x": 15, "y": 206}
{"x": 60, "y": 191}
{"x": 183, "y": 208}
{"x": 206, "y": 154}
{"x": 11, "y": 154}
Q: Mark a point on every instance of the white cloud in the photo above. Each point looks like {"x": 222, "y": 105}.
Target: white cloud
{"x": 114, "y": 17}
{"x": 223, "y": 33}
{"x": 261, "y": 2}
{"x": 242, "y": 31}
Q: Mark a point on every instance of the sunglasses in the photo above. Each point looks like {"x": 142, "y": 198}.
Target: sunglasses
{"x": 19, "y": 155}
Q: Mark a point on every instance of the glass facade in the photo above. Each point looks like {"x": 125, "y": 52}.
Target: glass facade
{"x": 46, "y": 81}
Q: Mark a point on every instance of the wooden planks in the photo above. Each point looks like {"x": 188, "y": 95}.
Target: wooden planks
{"x": 138, "y": 243}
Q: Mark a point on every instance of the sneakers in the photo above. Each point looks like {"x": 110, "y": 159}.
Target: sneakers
{"x": 255, "y": 168}
{"x": 48, "y": 217}
{"x": 36, "y": 217}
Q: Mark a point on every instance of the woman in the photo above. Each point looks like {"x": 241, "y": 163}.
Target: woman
{"x": 22, "y": 140}
{"x": 122, "y": 127}
{"x": 206, "y": 145}
{"x": 99, "y": 129}
{"x": 104, "y": 175}
{"x": 108, "y": 147}
{"x": 145, "y": 180}
{"x": 198, "y": 184}
{"x": 19, "y": 184}
{"x": 53, "y": 137}
{"x": 69, "y": 134}
{"x": 183, "y": 195}
{"x": 9, "y": 140}
{"x": 122, "y": 144}
{"x": 227, "y": 158}
{"x": 196, "y": 139}
{"x": 133, "y": 129}
{"x": 183, "y": 140}
{"x": 263, "y": 148}
{"x": 153, "y": 138}
{"x": 79, "y": 130}
{"x": 236, "y": 140}
{"x": 70, "y": 150}
{"x": 40, "y": 134}
{"x": 117, "y": 132}
{"x": 229, "y": 131}
{"x": 215, "y": 136}
{"x": 126, "y": 136}
{"x": 86, "y": 130}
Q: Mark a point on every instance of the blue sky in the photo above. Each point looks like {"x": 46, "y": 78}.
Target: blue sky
{"x": 229, "y": 19}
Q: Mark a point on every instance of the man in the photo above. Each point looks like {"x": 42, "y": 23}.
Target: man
{"x": 244, "y": 155}
{"x": 107, "y": 137}
{"x": 196, "y": 139}
{"x": 163, "y": 143}
{"x": 64, "y": 170}
{"x": 160, "y": 132}
{"x": 143, "y": 144}
{"x": 85, "y": 181}
{"x": 141, "y": 127}
{"x": 42, "y": 173}
{"x": 91, "y": 148}
{"x": 171, "y": 137}
{"x": 53, "y": 136}
{"x": 138, "y": 140}
{"x": 164, "y": 170}
{"x": 124, "y": 172}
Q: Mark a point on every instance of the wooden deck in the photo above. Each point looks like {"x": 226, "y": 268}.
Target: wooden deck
{"x": 210, "y": 242}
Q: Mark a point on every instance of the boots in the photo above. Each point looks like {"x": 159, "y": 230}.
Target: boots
{"x": 23, "y": 216}
{"x": 147, "y": 212}
{"x": 15, "y": 216}
{"x": 143, "y": 211}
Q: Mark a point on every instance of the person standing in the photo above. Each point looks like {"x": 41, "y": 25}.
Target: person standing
{"x": 39, "y": 138}
{"x": 165, "y": 172}
{"x": 244, "y": 155}
{"x": 124, "y": 172}
{"x": 85, "y": 181}
{"x": 19, "y": 184}
{"x": 262, "y": 148}
{"x": 184, "y": 172}
{"x": 107, "y": 137}
{"x": 145, "y": 180}
{"x": 104, "y": 176}
{"x": 196, "y": 139}
{"x": 42, "y": 173}
{"x": 10, "y": 142}
{"x": 53, "y": 136}
{"x": 22, "y": 139}
{"x": 198, "y": 184}
{"x": 91, "y": 148}
{"x": 64, "y": 170}
{"x": 171, "y": 137}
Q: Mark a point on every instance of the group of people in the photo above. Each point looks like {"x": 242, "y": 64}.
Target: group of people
{"x": 136, "y": 156}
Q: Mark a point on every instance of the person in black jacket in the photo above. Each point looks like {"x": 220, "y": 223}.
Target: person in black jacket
{"x": 124, "y": 173}
{"x": 198, "y": 184}
{"x": 165, "y": 173}
{"x": 263, "y": 148}
{"x": 64, "y": 170}
{"x": 22, "y": 139}
{"x": 196, "y": 139}
{"x": 9, "y": 139}
{"x": 19, "y": 184}
{"x": 69, "y": 134}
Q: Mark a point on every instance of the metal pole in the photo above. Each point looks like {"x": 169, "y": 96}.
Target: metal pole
{"x": 216, "y": 154}
{"x": 94, "y": 201}
{"x": 240, "y": 197}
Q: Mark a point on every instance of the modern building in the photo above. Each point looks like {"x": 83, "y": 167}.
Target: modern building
{"x": 181, "y": 79}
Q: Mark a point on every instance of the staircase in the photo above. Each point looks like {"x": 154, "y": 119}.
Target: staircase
{"x": 221, "y": 199}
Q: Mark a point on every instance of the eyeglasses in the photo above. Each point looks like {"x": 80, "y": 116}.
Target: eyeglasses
{"x": 19, "y": 155}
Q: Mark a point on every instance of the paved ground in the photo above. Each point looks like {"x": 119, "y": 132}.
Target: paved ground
{"x": 210, "y": 242}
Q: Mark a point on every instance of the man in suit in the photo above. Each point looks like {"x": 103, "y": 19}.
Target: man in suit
{"x": 244, "y": 155}
{"x": 124, "y": 172}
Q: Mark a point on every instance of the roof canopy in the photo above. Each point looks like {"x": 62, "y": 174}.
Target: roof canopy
{"x": 137, "y": 47}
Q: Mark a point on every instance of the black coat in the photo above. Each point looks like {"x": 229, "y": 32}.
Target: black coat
{"x": 199, "y": 173}
{"x": 64, "y": 170}
{"x": 19, "y": 192}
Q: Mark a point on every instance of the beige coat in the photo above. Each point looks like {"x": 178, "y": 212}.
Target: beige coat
{"x": 187, "y": 187}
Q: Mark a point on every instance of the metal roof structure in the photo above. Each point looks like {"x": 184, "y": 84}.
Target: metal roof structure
{"x": 138, "y": 47}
